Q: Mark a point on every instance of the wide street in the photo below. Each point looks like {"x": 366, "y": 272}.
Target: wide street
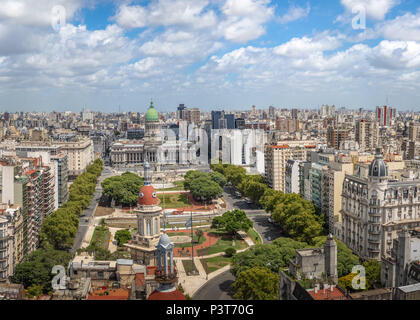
{"x": 267, "y": 230}
{"x": 87, "y": 216}
{"x": 219, "y": 287}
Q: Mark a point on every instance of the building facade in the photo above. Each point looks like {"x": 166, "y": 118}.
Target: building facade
{"x": 376, "y": 206}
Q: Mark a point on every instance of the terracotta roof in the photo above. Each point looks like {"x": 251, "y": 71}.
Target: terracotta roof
{"x": 113, "y": 294}
{"x": 151, "y": 270}
{"x": 173, "y": 295}
{"x": 147, "y": 196}
{"x": 327, "y": 294}
{"x": 140, "y": 279}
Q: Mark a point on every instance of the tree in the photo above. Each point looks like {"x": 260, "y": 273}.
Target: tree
{"x": 59, "y": 229}
{"x": 219, "y": 178}
{"x": 256, "y": 284}
{"x": 192, "y": 175}
{"x": 123, "y": 189}
{"x": 205, "y": 189}
{"x": 199, "y": 233}
{"x": 230, "y": 252}
{"x": 235, "y": 174}
{"x": 233, "y": 221}
{"x": 122, "y": 237}
{"x": 33, "y": 291}
{"x": 253, "y": 190}
{"x": 272, "y": 256}
{"x": 373, "y": 273}
{"x": 37, "y": 266}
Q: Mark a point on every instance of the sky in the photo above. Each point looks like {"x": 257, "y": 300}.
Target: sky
{"x": 111, "y": 55}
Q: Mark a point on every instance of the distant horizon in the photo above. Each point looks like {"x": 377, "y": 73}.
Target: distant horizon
{"x": 163, "y": 110}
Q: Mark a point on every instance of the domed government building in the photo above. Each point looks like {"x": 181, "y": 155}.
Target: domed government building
{"x": 157, "y": 146}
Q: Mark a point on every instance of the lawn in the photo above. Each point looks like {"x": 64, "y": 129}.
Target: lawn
{"x": 215, "y": 263}
{"x": 101, "y": 237}
{"x": 254, "y": 236}
{"x": 189, "y": 267}
{"x": 222, "y": 244}
{"x": 179, "y": 186}
{"x": 174, "y": 201}
{"x": 188, "y": 244}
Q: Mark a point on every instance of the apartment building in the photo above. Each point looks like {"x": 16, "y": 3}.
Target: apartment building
{"x": 80, "y": 154}
{"x": 4, "y": 249}
{"x": 276, "y": 157}
{"x": 367, "y": 135}
{"x": 377, "y": 203}
{"x": 14, "y": 253}
{"x": 61, "y": 193}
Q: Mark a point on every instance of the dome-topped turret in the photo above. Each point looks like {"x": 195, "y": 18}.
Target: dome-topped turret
{"x": 378, "y": 167}
{"x": 164, "y": 240}
{"x": 152, "y": 114}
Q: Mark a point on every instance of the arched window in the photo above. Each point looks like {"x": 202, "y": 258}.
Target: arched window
{"x": 149, "y": 227}
{"x": 141, "y": 227}
{"x": 156, "y": 226}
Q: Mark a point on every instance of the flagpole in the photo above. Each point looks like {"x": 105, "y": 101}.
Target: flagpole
{"x": 192, "y": 242}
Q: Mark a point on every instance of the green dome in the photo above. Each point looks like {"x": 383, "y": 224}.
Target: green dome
{"x": 152, "y": 114}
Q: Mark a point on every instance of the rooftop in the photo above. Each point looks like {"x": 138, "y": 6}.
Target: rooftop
{"x": 327, "y": 294}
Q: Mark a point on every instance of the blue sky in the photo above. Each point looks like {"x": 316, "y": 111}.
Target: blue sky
{"x": 209, "y": 54}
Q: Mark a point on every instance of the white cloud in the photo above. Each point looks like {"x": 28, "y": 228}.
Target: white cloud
{"x": 406, "y": 27}
{"x": 375, "y": 9}
{"x": 190, "y": 13}
{"x": 298, "y": 47}
{"x": 245, "y": 19}
{"x": 295, "y": 13}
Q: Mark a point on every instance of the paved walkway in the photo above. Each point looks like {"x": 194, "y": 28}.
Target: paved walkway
{"x": 210, "y": 241}
{"x": 192, "y": 284}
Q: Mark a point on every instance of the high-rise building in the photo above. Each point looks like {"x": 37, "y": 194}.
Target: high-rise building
{"x": 179, "y": 112}
{"x": 367, "y": 135}
{"x": 230, "y": 121}
{"x": 216, "y": 116}
{"x": 335, "y": 136}
{"x": 192, "y": 115}
{"x": 385, "y": 116}
{"x": 276, "y": 157}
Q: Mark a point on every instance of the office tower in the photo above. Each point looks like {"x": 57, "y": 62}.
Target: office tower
{"x": 230, "y": 121}
{"x": 215, "y": 118}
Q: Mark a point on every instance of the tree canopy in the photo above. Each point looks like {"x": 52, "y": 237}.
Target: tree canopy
{"x": 122, "y": 237}
{"x": 256, "y": 284}
{"x": 123, "y": 189}
{"x": 233, "y": 221}
{"x": 36, "y": 268}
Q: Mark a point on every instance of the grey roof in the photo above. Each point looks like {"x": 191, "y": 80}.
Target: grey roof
{"x": 165, "y": 242}
{"x": 378, "y": 167}
{"x": 411, "y": 288}
{"x": 125, "y": 262}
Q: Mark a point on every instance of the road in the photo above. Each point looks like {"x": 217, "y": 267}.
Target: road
{"x": 267, "y": 230}
{"x": 217, "y": 288}
{"x": 89, "y": 211}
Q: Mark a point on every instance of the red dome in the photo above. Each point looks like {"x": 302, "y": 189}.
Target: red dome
{"x": 148, "y": 196}
{"x": 169, "y": 296}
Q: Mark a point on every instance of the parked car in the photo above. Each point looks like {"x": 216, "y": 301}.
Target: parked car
{"x": 248, "y": 201}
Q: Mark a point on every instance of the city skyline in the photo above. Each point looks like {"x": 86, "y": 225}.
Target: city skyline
{"x": 113, "y": 55}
